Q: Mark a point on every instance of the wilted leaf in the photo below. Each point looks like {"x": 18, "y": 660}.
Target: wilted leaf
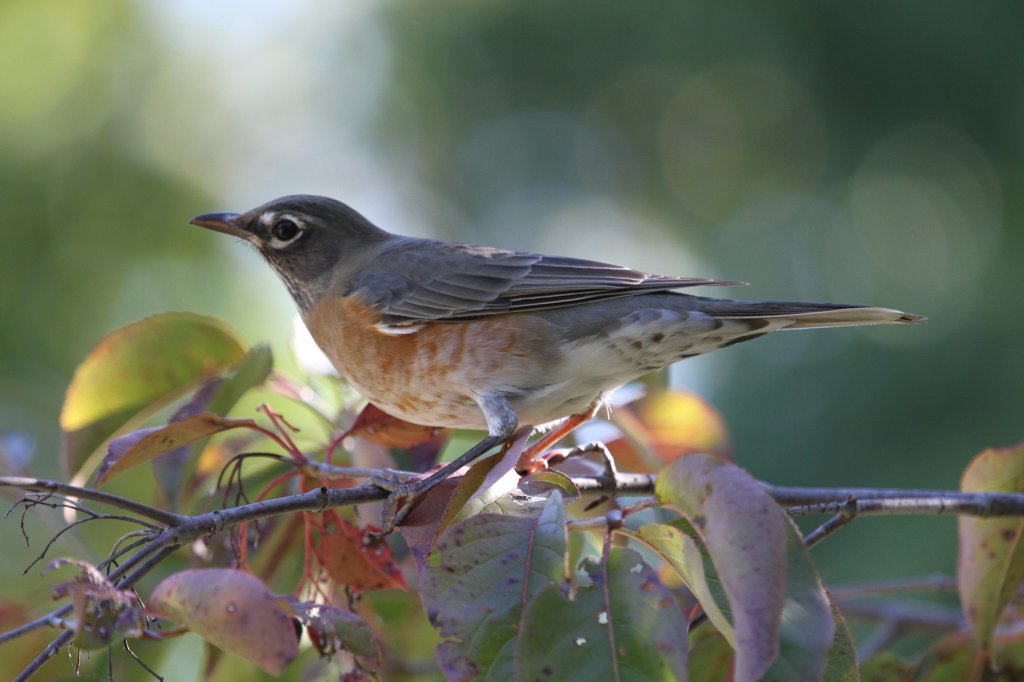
{"x": 626, "y": 626}
{"x": 381, "y": 428}
{"x": 419, "y": 529}
{"x": 332, "y": 629}
{"x": 141, "y": 446}
{"x": 232, "y": 610}
{"x": 684, "y": 555}
{"x": 356, "y": 557}
{"x": 744, "y": 531}
{"x": 486, "y": 570}
{"x": 991, "y": 565}
{"x": 102, "y": 614}
{"x": 138, "y": 368}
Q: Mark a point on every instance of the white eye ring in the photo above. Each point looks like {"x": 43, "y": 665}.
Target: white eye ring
{"x": 284, "y": 231}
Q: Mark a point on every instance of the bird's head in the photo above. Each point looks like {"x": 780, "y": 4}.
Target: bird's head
{"x": 308, "y": 240}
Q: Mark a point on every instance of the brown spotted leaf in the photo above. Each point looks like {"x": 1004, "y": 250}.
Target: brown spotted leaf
{"x": 626, "y": 625}
{"x": 356, "y": 557}
{"x": 991, "y": 564}
{"x": 744, "y": 531}
{"x": 478, "y": 583}
{"x": 231, "y": 610}
{"x": 694, "y": 567}
{"x": 142, "y": 446}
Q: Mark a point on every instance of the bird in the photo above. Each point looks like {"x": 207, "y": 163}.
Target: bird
{"x": 445, "y": 334}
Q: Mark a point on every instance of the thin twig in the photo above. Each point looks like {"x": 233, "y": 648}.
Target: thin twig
{"x": 879, "y": 639}
{"x": 937, "y": 582}
{"x": 921, "y": 615}
{"x": 118, "y": 550}
{"x": 46, "y": 654}
{"x": 846, "y": 514}
{"x": 56, "y": 487}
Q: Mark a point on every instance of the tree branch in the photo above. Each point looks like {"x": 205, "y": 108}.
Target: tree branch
{"x": 890, "y": 501}
{"x": 181, "y": 530}
{"x": 41, "y": 485}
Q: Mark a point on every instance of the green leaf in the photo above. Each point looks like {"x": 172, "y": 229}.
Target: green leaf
{"x": 232, "y": 610}
{"x": 991, "y": 564}
{"x": 684, "y": 555}
{"x": 486, "y": 487}
{"x": 955, "y": 659}
{"x": 626, "y": 626}
{"x": 251, "y": 372}
{"x": 808, "y": 621}
{"x": 137, "y": 369}
{"x": 476, "y": 587}
{"x": 744, "y": 531}
{"x": 841, "y": 664}
{"x": 711, "y": 657}
{"x": 539, "y": 482}
{"x": 808, "y": 624}
{"x": 140, "y": 447}
{"x": 885, "y": 667}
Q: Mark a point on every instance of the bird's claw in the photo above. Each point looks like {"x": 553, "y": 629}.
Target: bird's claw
{"x": 394, "y": 512}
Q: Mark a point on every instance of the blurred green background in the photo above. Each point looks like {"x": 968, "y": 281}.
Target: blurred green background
{"x": 857, "y": 152}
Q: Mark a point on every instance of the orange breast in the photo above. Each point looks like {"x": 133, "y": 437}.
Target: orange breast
{"x": 432, "y": 376}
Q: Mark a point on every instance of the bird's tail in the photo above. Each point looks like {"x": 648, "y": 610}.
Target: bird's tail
{"x": 793, "y": 315}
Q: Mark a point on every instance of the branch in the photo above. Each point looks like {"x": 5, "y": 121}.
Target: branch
{"x": 41, "y": 485}
{"x": 897, "y": 619}
{"x": 936, "y": 582}
{"x": 889, "y": 501}
{"x": 181, "y": 530}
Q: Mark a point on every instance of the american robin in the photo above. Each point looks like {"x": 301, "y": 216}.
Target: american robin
{"x": 476, "y": 337}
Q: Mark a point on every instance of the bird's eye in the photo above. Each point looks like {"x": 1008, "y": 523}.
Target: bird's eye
{"x": 285, "y": 230}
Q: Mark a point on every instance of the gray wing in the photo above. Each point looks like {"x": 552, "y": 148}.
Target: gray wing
{"x": 421, "y": 280}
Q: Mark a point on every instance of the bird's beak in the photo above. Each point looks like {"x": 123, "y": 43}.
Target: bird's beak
{"x": 222, "y": 222}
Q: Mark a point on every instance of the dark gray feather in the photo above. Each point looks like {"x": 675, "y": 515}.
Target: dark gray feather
{"x": 419, "y": 280}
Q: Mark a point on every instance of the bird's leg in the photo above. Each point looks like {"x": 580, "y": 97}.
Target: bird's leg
{"x": 502, "y": 423}
{"x": 391, "y": 515}
{"x": 556, "y": 434}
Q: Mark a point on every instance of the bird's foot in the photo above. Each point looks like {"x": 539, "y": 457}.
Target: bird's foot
{"x": 394, "y": 511}
{"x": 403, "y": 495}
{"x": 557, "y": 433}
{"x": 553, "y": 457}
